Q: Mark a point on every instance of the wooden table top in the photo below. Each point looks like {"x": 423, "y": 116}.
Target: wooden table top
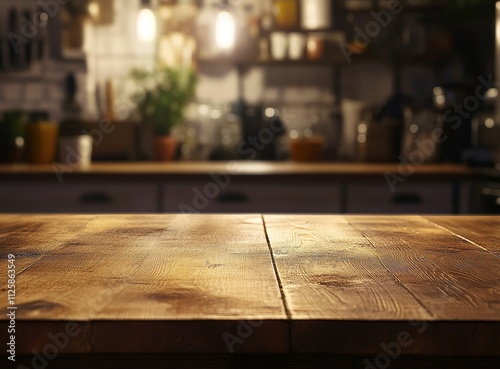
{"x": 239, "y": 168}
{"x": 252, "y": 283}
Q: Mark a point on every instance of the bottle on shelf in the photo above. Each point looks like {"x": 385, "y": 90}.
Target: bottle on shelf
{"x": 286, "y": 13}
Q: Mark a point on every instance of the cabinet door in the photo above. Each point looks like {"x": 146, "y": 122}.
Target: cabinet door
{"x": 43, "y": 197}
{"x": 260, "y": 198}
{"x": 408, "y": 198}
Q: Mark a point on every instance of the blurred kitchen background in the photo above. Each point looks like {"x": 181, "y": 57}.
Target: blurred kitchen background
{"x": 84, "y": 82}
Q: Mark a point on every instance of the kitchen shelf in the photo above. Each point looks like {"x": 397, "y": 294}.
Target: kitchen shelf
{"x": 269, "y": 63}
{"x": 427, "y": 6}
{"x": 337, "y": 61}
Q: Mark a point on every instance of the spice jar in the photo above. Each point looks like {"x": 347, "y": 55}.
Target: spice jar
{"x": 315, "y": 46}
{"x": 41, "y": 142}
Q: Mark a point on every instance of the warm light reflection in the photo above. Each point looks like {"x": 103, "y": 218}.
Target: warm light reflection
{"x": 225, "y": 30}
{"x": 94, "y": 10}
{"x": 497, "y": 31}
{"x": 146, "y": 25}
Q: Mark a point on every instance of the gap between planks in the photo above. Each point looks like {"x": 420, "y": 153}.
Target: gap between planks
{"x": 282, "y": 292}
{"x": 459, "y": 236}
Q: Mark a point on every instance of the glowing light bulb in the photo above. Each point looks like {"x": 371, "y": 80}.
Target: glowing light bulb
{"x": 225, "y": 30}
{"x": 146, "y": 25}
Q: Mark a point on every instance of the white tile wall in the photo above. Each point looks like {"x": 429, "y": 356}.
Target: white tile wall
{"x": 114, "y": 49}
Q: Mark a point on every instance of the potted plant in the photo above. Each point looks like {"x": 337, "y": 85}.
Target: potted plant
{"x": 162, "y": 97}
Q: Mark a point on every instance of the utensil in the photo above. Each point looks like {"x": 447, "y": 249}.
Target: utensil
{"x": 13, "y": 27}
{"x": 352, "y": 114}
{"x": 3, "y": 54}
{"x": 27, "y": 56}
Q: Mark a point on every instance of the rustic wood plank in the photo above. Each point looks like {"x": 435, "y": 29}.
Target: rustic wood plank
{"x": 135, "y": 278}
{"x": 352, "y": 283}
{"x": 330, "y": 271}
{"x": 484, "y": 231}
{"x": 20, "y": 235}
{"x": 181, "y": 283}
{"x": 453, "y": 278}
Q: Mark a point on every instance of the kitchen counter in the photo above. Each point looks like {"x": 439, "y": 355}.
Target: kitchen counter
{"x": 237, "y": 187}
{"x": 325, "y": 290}
{"x": 236, "y": 168}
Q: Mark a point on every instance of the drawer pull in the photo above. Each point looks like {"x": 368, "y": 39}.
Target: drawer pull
{"x": 96, "y": 198}
{"x": 233, "y": 197}
{"x": 407, "y": 198}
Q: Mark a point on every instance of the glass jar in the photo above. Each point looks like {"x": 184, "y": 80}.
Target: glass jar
{"x": 316, "y": 14}
{"x": 41, "y": 142}
{"x": 286, "y": 13}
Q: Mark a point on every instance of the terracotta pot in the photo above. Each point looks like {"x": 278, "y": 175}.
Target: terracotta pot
{"x": 165, "y": 148}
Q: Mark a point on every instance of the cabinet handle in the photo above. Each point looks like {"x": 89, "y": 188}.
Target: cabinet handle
{"x": 233, "y": 197}
{"x": 407, "y": 198}
{"x": 95, "y": 198}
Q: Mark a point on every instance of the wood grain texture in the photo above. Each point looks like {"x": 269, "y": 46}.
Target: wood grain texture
{"x": 453, "y": 278}
{"x": 354, "y": 283}
{"x": 20, "y": 235}
{"x": 476, "y": 229}
{"x": 176, "y": 284}
{"x": 139, "y": 276}
{"x": 329, "y": 270}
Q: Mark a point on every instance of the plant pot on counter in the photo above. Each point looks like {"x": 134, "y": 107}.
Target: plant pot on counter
{"x": 165, "y": 148}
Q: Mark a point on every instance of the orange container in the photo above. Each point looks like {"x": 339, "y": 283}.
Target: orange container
{"x": 286, "y": 13}
{"x": 308, "y": 149}
{"x": 41, "y": 142}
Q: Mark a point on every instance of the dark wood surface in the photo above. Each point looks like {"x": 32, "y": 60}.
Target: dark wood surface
{"x": 218, "y": 284}
{"x": 144, "y": 283}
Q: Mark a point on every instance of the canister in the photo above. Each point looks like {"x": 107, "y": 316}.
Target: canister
{"x": 316, "y": 14}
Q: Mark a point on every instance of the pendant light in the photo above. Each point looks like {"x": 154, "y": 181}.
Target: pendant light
{"x": 146, "y": 22}
{"x": 225, "y": 28}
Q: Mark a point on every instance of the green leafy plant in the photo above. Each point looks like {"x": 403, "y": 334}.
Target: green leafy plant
{"x": 163, "y": 96}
